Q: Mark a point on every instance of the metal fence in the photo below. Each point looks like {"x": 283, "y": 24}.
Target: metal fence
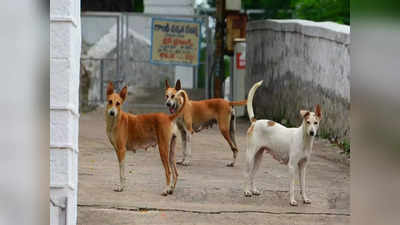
{"x": 116, "y": 47}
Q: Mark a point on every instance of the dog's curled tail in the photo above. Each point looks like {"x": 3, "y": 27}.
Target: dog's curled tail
{"x": 180, "y": 111}
{"x": 250, "y": 101}
{"x": 238, "y": 103}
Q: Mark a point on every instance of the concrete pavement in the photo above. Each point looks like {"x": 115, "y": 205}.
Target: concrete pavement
{"x": 207, "y": 192}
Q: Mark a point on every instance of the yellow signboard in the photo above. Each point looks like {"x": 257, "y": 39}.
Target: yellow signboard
{"x": 175, "y": 42}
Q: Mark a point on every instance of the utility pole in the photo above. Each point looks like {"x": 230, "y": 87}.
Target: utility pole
{"x": 219, "y": 50}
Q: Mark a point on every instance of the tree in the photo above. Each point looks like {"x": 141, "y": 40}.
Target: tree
{"x": 316, "y": 10}
{"x": 323, "y": 10}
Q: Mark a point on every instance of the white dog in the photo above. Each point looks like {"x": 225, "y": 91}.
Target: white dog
{"x": 291, "y": 146}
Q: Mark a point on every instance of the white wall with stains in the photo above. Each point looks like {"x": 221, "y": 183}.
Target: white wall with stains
{"x": 302, "y": 63}
{"x": 65, "y": 47}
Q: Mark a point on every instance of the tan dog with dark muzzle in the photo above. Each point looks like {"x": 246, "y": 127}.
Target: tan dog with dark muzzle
{"x": 198, "y": 115}
{"x": 127, "y": 131}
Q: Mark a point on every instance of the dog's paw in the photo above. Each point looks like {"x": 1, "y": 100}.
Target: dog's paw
{"x": 307, "y": 201}
{"x": 119, "y": 188}
{"x": 171, "y": 189}
{"x": 168, "y": 190}
{"x": 255, "y": 192}
{"x": 231, "y": 164}
{"x": 184, "y": 163}
{"x": 247, "y": 193}
{"x": 293, "y": 203}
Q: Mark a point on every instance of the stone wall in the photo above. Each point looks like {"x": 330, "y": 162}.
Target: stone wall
{"x": 302, "y": 63}
{"x": 65, "y": 47}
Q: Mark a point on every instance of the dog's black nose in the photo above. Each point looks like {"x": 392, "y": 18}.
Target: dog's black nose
{"x": 311, "y": 133}
{"x": 112, "y": 113}
{"x": 168, "y": 104}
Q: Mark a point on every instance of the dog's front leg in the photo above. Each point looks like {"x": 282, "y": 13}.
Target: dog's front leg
{"x": 121, "y": 160}
{"x": 292, "y": 173}
{"x": 164, "y": 154}
{"x": 187, "y": 154}
{"x": 302, "y": 176}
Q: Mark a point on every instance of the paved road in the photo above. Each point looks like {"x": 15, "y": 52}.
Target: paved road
{"x": 207, "y": 192}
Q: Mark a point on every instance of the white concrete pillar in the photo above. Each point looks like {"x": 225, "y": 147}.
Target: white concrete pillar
{"x": 239, "y": 76}
{"x": 65, "y": 48}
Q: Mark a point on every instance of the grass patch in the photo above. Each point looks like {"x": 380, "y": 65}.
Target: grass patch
{"x": 342, "y": 144}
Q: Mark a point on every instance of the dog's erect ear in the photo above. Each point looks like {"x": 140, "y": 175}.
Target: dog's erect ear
{"x": 110, "y": 88}
{"x": 318, "y": 111}
{"x": 304, "y": 113}
{"x": 166, "y": 84}
{"x": 178, "y": 85}
{"x": 123, "y": 93}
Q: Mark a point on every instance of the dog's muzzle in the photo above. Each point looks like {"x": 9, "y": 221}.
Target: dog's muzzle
{"x": 112, "y": 112}
{"x": 171, "y": 107}
{"x": 312, "y": 133}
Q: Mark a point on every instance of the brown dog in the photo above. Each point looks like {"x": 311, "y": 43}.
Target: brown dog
{"x": 198, "y": 115}
{"x": 130, "y": 132}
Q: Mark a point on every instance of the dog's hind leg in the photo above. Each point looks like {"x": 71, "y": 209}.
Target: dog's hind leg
{"x": 224, "y": 127}
{"x": 254, "y": 157}
{"x": 172, "y": 162}
{"x": 163, "y": 146}
{"x": 232, "y": 127}
{"x": 257, "y": 161}
{"x": 249, "y": 171}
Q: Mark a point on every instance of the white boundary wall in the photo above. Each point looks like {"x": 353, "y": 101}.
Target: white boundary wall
{"x": 302, "y": 63}
{"x": 65, "y": 47}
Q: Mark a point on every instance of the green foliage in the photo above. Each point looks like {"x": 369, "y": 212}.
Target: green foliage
{"x": 274, "y": 9}
{"x": 343, "y": 144}
{"x": 227, "y": 67}
{"x": 315, "y": 10}
{"x": 138, "y": 5}
{"x": 372, "y": 8}
{"x": 346, "y": 146}
{"x": 323, "y": 10}
{"x": 211, "y": 3}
